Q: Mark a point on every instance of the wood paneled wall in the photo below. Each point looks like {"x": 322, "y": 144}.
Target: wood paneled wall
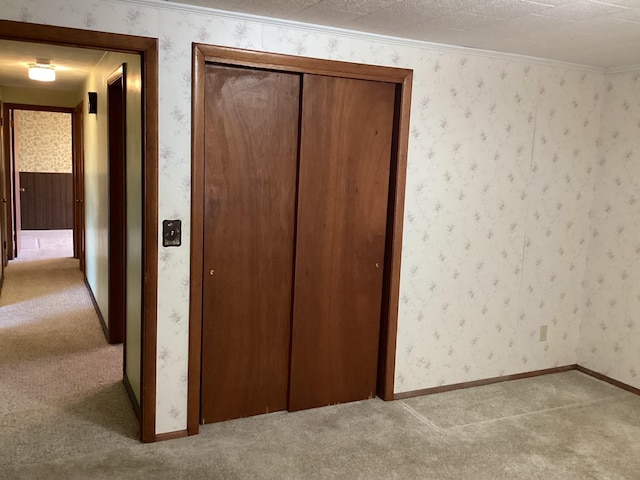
{"x": 46, "y": 201}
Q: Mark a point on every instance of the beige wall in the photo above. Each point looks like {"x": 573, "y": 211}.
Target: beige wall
{"x": 134, "y": 223}
{"x": 37, "y": 96}
{"x": 97, "y": 204}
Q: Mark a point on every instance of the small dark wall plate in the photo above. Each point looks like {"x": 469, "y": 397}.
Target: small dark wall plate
{"x": 171, "y": 233}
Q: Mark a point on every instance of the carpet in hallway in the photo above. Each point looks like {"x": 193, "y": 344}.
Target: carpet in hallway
{"x": 61, "y": 390}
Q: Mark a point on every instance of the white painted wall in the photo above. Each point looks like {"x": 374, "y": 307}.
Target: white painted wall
{"x": 499, "y": 187}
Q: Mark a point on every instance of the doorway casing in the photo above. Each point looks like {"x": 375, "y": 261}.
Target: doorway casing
{"x": 147, "y": 48}
{"x": 402, "y": 78}
{"x": 12, "y": 179}
{"x": 117, "y": 135}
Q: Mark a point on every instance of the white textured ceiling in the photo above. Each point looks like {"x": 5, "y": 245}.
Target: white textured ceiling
{"x": 73, "y": 65}
{"x": 601, "y": 33}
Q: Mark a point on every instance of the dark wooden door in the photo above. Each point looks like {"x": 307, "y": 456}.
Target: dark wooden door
{"x": 251, "y": 138}
{"x": 116, "y": 103}
{"x": 78, "y": 186}
{"x": 345, "y": 154}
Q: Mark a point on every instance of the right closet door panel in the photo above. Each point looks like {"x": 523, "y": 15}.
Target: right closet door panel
{"x": 345, "y": 153}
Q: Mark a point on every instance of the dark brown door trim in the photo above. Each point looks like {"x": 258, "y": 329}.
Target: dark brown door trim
{"x": 13, "y": 203}
{"x": 117, "y": 173}
{"x": 8, "y": 182}
{"x": 147, "y": 48}
{"x": 203, "y": 54}
{"x": 78, "y": 185}
{"x": 4, "y": 257}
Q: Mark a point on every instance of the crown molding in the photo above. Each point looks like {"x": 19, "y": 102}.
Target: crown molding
{"x": 354, "y": 34}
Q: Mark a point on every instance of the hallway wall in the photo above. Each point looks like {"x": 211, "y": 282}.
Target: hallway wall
{"x": 96, "y": 150}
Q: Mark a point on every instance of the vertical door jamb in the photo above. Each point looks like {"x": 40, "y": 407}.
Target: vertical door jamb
{"x": 7, "y": 130}
{"x": 3, "y": 203}
{"x": 78, "y": 185}
{"x": 12, "y": 177}
{"x": 15, "y": 177}
{"x": 116, "y": 101}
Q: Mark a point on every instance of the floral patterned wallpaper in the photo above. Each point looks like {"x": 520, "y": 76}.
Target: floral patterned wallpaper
{"x": 501, "y": 170}
{"x": 498, "y": 193}
{"x": 610, "y": 330}
{"x": 43, "y": 141}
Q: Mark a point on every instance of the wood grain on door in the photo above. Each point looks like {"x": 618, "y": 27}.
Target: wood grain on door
{"x": 251, "y": 147}
{"x": 46, "y": 201}
{"x": 345, "y": 154}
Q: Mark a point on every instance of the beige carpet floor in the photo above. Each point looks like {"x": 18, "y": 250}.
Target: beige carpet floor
{"x": 45, "y": 244}
{"x": 64, "y": 415}
{"x": 60, "y": 382}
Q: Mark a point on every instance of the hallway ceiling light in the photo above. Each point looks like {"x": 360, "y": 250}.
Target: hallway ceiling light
{"x": 42, "y": 71}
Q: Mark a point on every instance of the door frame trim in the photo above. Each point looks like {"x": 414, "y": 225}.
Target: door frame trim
{"x": 9, "y": 162}
{"x": 147, "y": 48}
{"x": 403, "y": 79}
{"x": 4, "y": 254}
{"x": 117, "y": 187}
{"x": 78, "y": 185}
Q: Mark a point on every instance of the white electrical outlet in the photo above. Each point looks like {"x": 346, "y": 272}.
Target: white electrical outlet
{"x": 543, "y": 333}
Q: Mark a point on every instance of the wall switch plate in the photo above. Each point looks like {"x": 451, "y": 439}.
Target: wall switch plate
{"x": 543, "y": 333}
{"x": 171, "y": 233}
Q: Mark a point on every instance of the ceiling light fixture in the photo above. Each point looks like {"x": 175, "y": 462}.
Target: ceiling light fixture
{"x": 42, "y": 71}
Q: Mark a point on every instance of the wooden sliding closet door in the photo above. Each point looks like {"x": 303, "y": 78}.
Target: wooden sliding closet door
{"x": 345, "y": 155}
{"x": 251, "y": 145}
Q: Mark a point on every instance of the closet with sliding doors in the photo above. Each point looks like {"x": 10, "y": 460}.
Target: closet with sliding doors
{"x": 298, "y": 189}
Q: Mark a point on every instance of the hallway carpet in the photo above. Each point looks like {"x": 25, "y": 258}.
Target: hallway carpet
{"x": 61, "y": 391}
{"x": 64, "y": 415}
{"x": 43, "y": 244}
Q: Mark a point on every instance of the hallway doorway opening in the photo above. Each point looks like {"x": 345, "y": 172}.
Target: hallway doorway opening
{"x": 143, "y": 345}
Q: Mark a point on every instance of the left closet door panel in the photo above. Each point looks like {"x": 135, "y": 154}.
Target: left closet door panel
{"x": 251, "y": 148}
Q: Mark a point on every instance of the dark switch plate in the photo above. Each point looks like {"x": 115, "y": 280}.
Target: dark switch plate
{"x": 171, "y": 233}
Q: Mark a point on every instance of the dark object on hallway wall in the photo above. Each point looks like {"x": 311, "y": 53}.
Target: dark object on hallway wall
{"x": 93, "y": 102}
{"x": 46, "y": 201}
